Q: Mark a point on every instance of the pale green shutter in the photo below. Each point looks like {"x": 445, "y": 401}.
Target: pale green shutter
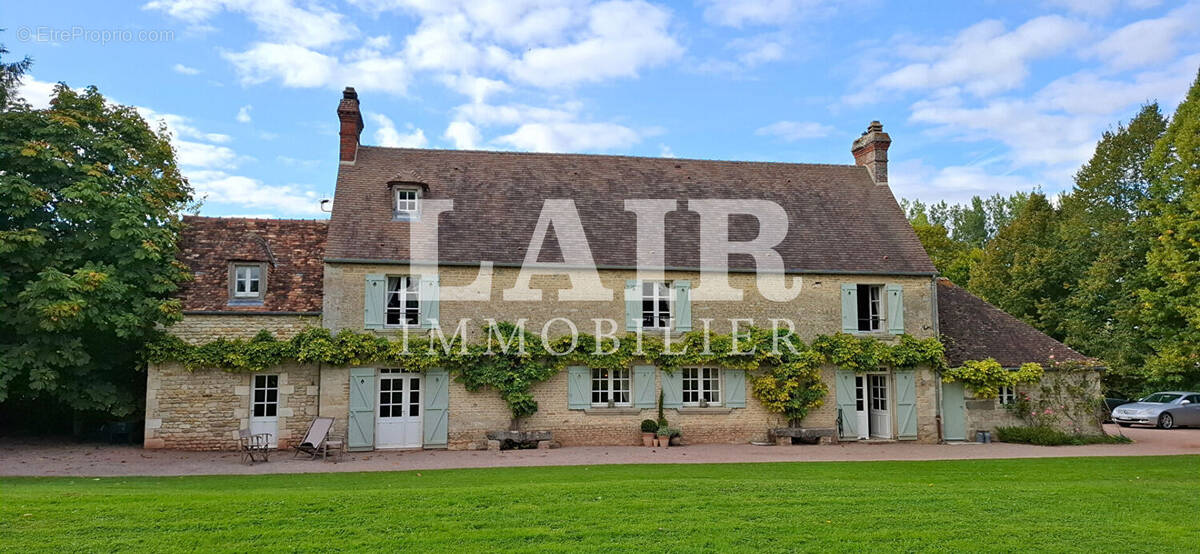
{"x": 895, "y": 309}
{"x": 430, "y": 302}
{"x": 846, "y": 404}
{"x": 374, "y": 300}
{"x": 436, "y": 421}
{"x": 683, "y": 305}
{"x": 672, "y": 386}
{"x": 360, "y": 432}
{"x": 643, "y": 387}
{"x": 633, "y": 305}
{"x": 735, "y": 388}
{"x": 906, "y": 404}
{"x": 579, "y": 387}
{"x": 849, "y": 308}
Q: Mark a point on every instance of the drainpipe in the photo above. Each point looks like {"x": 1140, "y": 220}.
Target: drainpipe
{"x": 937, "y": 332}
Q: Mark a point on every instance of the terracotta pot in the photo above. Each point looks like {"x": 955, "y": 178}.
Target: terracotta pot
{"x": 647, "y": 439}
{"x": 664, "y": 442}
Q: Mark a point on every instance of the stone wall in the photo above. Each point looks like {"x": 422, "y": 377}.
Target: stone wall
{"x": 986, "y": 414}
{"x": 816, "y": 311}
{"x": 196, "y": 328}
{"x": 204, "y": 409}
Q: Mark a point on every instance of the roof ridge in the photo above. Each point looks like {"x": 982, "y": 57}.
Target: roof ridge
{"x": 618, "y": 156}
{"x": 234, "y": 218}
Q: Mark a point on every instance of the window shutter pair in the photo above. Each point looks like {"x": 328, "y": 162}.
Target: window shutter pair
{"x": 895, "y": 308}
{"x": 579, "y": 387}
{"x": 733, "y": 384}
{"x": 683, "y": 305}
{"x": 375, "y": 301}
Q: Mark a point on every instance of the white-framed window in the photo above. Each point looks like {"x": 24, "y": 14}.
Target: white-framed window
{"x": 265, "y": 402}
{"x": 1007, "y": 395}
{"x": 406, "y": 203}
{"x": 656, "y": 304}
{"x": 403, "y": 308}
{"x": 248, "y": 281}
{"x": 870, "y": 307}
{"x": 611, "y": 385}
{"x": 701, "y": 386}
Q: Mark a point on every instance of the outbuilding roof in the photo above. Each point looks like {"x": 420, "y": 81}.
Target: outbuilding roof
{"x": 839, "y": 219}
{"x": 973, "y": 329}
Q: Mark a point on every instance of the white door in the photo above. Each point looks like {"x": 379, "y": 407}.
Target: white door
{"x": 879, "y": 415}
{"x": 264, "y": 407}
{"x": 399, "y": 411}
{"x": 860, "y": 405}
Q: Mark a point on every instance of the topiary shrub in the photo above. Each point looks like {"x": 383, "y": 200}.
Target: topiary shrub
{"x": 649, "y": 426}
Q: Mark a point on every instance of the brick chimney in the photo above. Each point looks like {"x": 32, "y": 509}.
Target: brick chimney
{"x": 870, "y": 151}
{"x": 352, "y": 125}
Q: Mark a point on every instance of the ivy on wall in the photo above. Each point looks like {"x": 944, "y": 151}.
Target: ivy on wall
{"x": 785, "y": 371}
{"x": 985, "y": 377}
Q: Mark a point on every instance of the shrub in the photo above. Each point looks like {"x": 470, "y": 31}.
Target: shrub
{"x": 664, "y": 431}
{"x": 1049, "y": 436}
{"x": 649, "y": 426}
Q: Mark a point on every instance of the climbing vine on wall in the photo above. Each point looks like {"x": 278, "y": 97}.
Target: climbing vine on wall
{"x": 786, "y": 371}
{"x": 985, "y": 377}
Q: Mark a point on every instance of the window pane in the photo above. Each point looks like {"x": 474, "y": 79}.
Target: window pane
{"x": 272, "y": 395}
{"x": 260, "y": 395}
{"x": 413, "y": 410}
{"x": 385, "y": 411}
{"x": 271, "y": 410}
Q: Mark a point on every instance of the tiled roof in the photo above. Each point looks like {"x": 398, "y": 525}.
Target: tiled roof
{"x": 972, "y": 329}
{"x": 291, "y": 248}
{"x": 839, "y": 220}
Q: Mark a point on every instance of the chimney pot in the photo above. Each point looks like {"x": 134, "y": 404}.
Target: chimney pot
{"x": 351, "y": 126}
{"x": 870, "y": 151}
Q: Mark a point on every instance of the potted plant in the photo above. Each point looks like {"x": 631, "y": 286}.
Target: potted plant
{"x": 675, "y": 435}
{"x": 649, "y": 428}
{"x": 664, "y": 436}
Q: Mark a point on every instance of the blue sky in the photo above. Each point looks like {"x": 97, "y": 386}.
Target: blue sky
{"x": 979, "y": 98}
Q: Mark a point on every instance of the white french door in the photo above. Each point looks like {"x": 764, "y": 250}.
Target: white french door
{"x": 860, "y": 406}
{"x": 264, "y": 407}
{"x": 398, "y": 413}
{"x": 879, "y": 414}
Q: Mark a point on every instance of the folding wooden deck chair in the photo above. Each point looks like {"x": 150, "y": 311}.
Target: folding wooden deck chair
{"x": 314, "y": 440}
{"x": 254, "y": 446}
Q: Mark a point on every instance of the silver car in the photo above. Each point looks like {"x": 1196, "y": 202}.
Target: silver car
{"x": 1167, "y": 410}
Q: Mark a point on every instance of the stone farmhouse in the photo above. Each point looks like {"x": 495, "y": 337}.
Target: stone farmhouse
{"x": 861, "y": 267}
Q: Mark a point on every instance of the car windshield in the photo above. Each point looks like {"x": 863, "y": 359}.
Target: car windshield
{"x": 1160, "y": 398}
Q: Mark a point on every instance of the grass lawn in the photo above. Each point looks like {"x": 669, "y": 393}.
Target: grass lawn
{"x": 1061, "y": 504}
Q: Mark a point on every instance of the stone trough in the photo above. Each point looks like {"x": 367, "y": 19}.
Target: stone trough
{"x": 806, "y": 435}
{"x": 518, "y": 440}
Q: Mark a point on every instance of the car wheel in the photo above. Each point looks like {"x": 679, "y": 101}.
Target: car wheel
{"x": 1124, "y": 424}
{"x": 1165, "y": 421}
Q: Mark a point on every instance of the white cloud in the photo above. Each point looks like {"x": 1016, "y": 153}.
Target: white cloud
{"x": 197, "y": 154}
{"x": 1098, "y": 8}
{"x": 243, "y": 115}
{"x": 281, "y": 20}
{"x": 957, "y": 183}
{"x": 795, "y": 130}
{"x": 985, "y": 59}
{"x": 388, "y": 135}
{"x": 570, "y": 137}
{"x": 737, "y": 13}
{"x": 1149, "y": 41}
{"x": 185, "y": 70}
{"x": 293, "y": 65}
{"x": 36, "y": 93}
{"x": 463, "y": 134}
{"x": 247, "y": 192}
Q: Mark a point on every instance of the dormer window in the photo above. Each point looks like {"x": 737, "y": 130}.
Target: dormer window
{"x": 406, "y": 203}
{"x": 247, "y": 281}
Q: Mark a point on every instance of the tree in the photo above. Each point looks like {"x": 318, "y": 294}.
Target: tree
{"x": 10, "y": 76}
{"x": 1106, "y": 237}
{"x": 89, "y": 204}
{"x": 1020, "y": 271}
{"x": 1171, "y": 298}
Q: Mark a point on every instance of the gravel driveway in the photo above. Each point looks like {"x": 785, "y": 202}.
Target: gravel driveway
{"x": 58, "y": 459}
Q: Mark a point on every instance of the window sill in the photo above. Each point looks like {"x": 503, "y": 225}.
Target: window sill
{"x": 245, "y": 302}
{"x": 696, "y": 410}
{"x": 603, "y": 410}
{"x": 875, "y": 334}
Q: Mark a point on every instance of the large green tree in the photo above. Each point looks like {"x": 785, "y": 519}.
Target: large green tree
{"x": 10, "y": 76}
{"x": 1106, "y": 236}
{"x": 89, "y": 204}
{"x": 1020, "y": 270}
{"x": 1171, "y": 299}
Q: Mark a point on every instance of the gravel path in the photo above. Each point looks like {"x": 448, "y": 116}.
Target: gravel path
{"x": 58, "y": 459}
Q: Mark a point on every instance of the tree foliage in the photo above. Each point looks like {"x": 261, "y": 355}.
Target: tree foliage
{"x": 10, "y": 76}
{"x": 89, "y": 204}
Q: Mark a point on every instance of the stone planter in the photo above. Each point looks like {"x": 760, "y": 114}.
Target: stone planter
{"x": 647, "y": 439}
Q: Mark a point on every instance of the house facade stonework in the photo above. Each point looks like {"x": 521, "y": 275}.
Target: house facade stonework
{"x": 511, "y": 232}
